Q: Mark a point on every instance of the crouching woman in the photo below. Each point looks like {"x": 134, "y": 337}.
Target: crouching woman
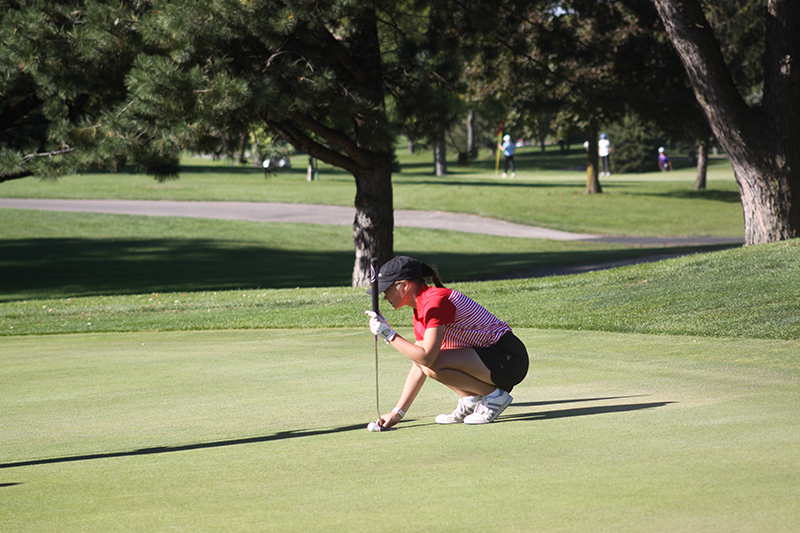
{"x": 457, "y": 343}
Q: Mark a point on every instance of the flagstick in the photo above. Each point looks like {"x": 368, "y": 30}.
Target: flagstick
{"x": 499, "y": 138}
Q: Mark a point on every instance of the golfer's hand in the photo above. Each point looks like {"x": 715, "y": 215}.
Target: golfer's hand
{"x": 378, "y": 326}
{"x": 389, "y": 419}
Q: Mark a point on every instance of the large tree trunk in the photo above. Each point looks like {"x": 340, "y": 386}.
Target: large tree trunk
{"x": 592, "y": 180}
{"x": 472, "y": 150}
{"x": 367, "y": 154}
{"x": 761, "y": 144}
{"x": 440, "y": 155}
{"x": 373, "y": 226}
{"x": 702, "y": 165}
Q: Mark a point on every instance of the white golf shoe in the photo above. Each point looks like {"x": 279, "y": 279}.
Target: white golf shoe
{"x": 465, "y": 407}
{"x": 488, "y": 409}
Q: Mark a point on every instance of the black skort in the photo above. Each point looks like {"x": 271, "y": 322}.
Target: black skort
{"x": 507, "y": 360}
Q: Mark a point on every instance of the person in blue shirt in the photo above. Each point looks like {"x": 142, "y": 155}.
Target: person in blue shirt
{"x": 508, "y": 148}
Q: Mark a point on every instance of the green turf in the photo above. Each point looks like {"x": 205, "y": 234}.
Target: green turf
{"x": 265, "y": 431}
{"x": 153, "y": 380}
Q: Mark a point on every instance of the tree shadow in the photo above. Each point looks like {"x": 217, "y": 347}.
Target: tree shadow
{"x": 505, "y": 184}
{"x": 728, "y": 197}
{"x": 57, "y": 268}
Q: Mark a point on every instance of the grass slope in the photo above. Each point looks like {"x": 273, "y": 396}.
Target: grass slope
{"x": 48, "y": 254}
{"x": 744, "y": 292}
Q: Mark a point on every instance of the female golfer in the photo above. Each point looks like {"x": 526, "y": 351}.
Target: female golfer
{"x": 458, "y": 343}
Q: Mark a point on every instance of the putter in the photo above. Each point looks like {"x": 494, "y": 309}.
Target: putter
{"x": 373, "y": 273}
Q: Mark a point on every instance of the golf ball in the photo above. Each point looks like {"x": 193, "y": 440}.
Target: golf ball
{"x": 372, "y": 426}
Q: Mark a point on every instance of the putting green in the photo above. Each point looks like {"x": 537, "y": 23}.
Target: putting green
{"x": 265, "y": 430}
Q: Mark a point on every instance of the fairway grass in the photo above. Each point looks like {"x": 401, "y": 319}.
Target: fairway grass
{"x": 47, "y": 254}
{"x": 264, "y": 430}
{"x": 547, "y": 192}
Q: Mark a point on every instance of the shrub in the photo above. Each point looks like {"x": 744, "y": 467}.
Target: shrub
{"x": 634, "y": 145}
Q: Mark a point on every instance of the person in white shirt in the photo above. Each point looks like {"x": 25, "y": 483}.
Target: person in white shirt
{"x": 603, "y": 150}
{"x": 508, "y": 148}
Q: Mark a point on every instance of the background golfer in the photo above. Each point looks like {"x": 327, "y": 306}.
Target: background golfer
{"x": 458, "y": 343}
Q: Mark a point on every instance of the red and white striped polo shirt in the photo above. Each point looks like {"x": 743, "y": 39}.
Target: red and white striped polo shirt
{"x": 466, "y": 323}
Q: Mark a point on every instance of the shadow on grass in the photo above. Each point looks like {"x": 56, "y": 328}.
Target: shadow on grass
{"x": 730, "y": 197}
{"x": 58, "y": 268}
{"x": 282, "y": 435}
{"x": 86, "y": 267}
{"x": 293, "y": 434}
{"x": 501, "y": 183}
{"x": 565, "y": 413}
{"x": 524, "y": 160}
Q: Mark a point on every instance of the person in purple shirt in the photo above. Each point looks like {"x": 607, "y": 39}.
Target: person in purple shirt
{"x": 663, "y": 160}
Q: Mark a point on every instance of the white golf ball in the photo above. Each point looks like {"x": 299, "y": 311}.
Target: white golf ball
{"x": 372, "y": 426}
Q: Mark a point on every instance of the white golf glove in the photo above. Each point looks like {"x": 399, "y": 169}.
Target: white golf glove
{"x": 378, "y": 326}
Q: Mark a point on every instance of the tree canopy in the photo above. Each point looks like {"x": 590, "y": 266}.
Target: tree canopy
{"x": 90, "y": 83}
{"x": 141, "y": 81}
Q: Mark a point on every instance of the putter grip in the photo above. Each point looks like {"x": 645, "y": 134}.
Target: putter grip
{"x": 373, "y": 264}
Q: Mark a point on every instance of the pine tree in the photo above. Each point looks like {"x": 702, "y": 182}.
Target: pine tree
{"x": 141, "y": 81}
{"x": 62, "y": 66}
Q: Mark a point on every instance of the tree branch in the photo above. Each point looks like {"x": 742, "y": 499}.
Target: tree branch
{"x": 713, "y": 85}
{"x": 290, "y": 132}
{"x": 30, "y": 157}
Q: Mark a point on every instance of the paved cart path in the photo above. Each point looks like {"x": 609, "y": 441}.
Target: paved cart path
{"x": 338, "y": 215}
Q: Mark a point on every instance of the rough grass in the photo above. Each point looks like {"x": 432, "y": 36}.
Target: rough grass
{"x": 744, "y": 292}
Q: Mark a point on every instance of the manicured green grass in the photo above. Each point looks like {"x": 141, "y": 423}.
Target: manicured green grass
{"x": 265, "y": 431}
{"x": 652, "y": 204}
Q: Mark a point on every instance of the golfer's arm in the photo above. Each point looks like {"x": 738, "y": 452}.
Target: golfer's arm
{"x": 414, "y": 382}
{"x": 426, "y": 351}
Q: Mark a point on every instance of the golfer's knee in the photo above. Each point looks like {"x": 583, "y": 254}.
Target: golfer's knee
{"x": 428, "y": 371}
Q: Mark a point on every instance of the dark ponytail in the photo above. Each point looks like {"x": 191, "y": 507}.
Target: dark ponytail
{"x": 429, "y": 272}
